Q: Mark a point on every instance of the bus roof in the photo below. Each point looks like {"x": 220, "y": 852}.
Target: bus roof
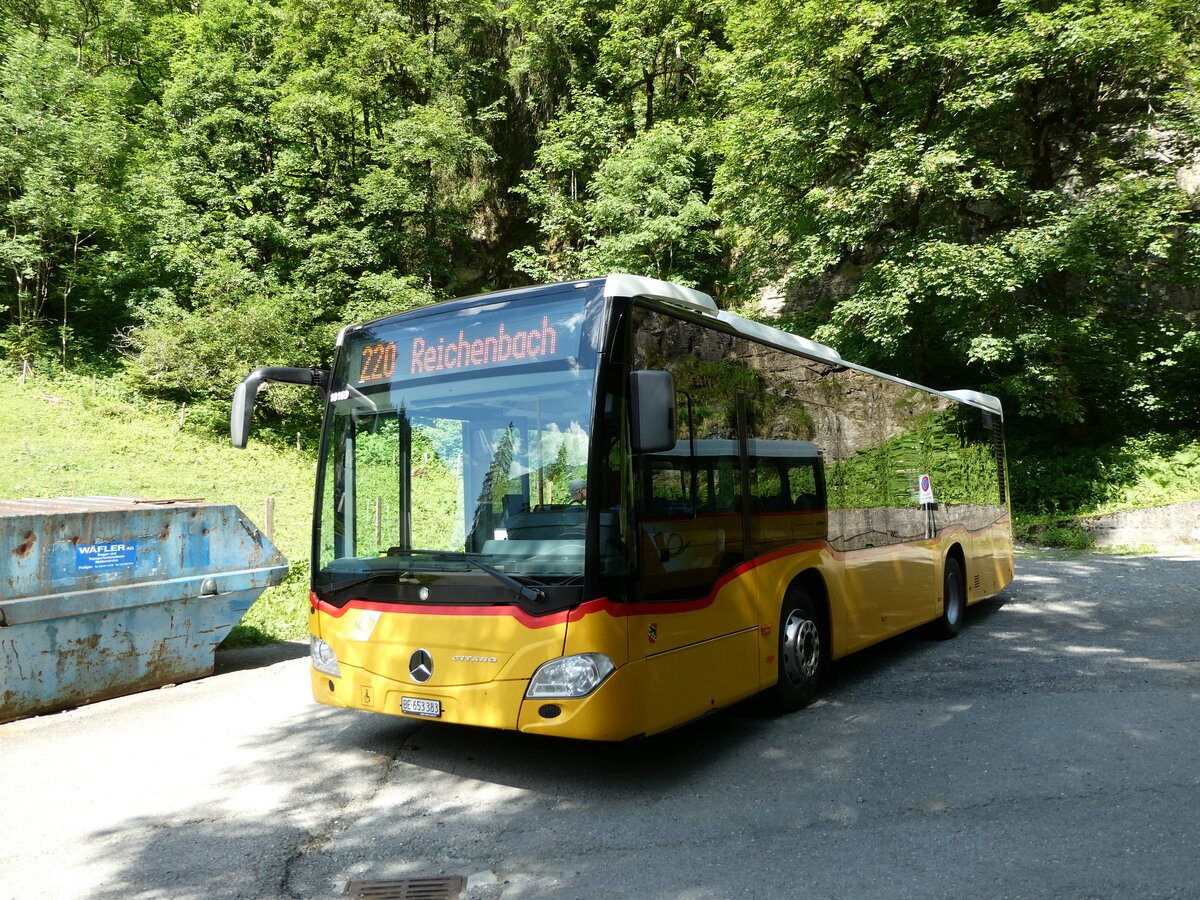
{"x": 620, "y": 284}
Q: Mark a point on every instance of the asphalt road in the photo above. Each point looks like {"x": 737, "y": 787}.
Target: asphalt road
{"x": 1051, "y": 750}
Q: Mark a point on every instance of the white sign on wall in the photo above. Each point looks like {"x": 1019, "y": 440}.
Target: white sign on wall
{"x": 926, "y": 491}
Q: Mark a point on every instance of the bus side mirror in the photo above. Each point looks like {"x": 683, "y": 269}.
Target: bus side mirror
{"x": 240, "y": 413}
{"x": 652, "y": 402}
{"x": 242, "y": 409}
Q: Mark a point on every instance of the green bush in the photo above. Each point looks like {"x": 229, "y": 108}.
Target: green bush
{"x": 279, "y": 614}
{"x": 1054, "y": 478}
{"x": 1068, "y": 536}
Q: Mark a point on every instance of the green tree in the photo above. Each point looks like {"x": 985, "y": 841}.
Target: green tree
{"x": 960, "y": 190}
{"x": 321, "y": 161}
{"x": 622, "y": 175}
{"x": 64, "y": 144}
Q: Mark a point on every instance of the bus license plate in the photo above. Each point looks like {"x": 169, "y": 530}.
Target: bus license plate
{"x": 415, "y": 706}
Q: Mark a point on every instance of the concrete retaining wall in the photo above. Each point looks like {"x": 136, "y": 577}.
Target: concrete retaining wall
{"x": 1177, "y": 525}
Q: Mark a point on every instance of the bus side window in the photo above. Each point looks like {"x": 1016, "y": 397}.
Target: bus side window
{"x": 770, "y": 492}
{"x": 670, "y": 489}
{"x": 806, "y": 492}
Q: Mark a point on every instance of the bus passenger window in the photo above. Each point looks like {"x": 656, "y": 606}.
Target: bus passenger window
{"x": 807, "y": 494}
{"x": 670, "y": 489}
{"x": 770, "y": 493}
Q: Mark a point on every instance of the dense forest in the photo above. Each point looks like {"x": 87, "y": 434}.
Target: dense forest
{"x": 999, "y": 194}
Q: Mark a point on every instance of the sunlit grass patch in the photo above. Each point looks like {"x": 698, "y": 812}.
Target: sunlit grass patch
{"x": 77, "y": 437}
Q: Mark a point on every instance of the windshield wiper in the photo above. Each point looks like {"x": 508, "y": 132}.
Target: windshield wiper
{"x": 532, "y": 594}
{"x": 340, "y": 586}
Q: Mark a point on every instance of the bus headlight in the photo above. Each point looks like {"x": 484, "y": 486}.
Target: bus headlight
{"x": 570, "y": 676}
{"x": 323, "y": 657}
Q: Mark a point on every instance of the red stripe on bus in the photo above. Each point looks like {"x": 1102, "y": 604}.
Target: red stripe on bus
{"x": 669, "y": 607}
{"x": 600, "y": 604}
{"x": 514, "y": 612}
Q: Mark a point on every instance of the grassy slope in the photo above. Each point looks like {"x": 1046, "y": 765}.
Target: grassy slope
{"x": 68, "y": 438}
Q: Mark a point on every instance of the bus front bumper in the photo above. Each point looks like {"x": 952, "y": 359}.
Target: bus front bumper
{"x": 612, "y": 712}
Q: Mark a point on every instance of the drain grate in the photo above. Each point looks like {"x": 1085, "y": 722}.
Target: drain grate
{"x": 447, "y": 888}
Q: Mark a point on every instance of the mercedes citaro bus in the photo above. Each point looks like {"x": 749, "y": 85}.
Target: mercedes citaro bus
{"x": 603, "y": 508}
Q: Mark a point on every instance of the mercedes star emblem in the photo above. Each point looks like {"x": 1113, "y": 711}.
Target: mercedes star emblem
{"x": 420, "y": 666}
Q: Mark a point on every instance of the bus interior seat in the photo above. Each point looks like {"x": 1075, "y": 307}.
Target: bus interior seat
{"x": 772, "y": 504}
{"x": 513, "y": 504}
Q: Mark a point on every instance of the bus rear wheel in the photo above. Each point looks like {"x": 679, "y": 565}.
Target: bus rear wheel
{"x": 954, "y": 601}
{"x": 800, "y": 653}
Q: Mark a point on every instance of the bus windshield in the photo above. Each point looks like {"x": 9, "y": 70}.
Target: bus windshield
{"x": 458, "y": 442}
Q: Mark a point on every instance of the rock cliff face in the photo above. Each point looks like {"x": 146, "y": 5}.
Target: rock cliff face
{"x": 789, "y": 297}
{"x": 846, "y": 410}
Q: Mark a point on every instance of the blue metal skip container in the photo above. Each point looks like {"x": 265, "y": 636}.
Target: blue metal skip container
{"x": 103, "y": 596}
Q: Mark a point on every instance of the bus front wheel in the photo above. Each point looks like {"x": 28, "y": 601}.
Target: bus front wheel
{"x": 800, "y": 654}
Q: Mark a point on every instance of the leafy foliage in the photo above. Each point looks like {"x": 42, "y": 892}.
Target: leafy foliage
{"x": 992, "y": 189}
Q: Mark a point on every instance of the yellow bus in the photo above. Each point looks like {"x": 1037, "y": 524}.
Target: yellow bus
{"x": 604, "y": 508}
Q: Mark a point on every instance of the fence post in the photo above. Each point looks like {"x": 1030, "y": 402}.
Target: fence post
{"x": 269, "y": 518}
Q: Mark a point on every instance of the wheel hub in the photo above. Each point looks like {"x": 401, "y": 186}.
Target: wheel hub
{"x": 801, "y": 648}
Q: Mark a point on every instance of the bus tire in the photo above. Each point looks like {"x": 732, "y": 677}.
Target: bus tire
{"x": 954, "y": 601}
{"x": 801, "y": 652}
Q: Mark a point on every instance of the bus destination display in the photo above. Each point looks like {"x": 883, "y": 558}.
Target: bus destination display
{"x": 378, "y": 362}
{"x": 490, "y": 340}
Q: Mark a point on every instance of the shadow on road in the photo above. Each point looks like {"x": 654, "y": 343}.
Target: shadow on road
{"x": 241, "y": 658}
